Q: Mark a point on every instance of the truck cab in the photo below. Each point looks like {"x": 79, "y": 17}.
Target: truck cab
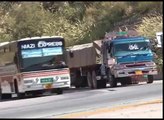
{"x": 129, "y": 60}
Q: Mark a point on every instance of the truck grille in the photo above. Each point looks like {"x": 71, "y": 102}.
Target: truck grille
{"x": 135, "y": 65}
{"x": 133, "y": 72}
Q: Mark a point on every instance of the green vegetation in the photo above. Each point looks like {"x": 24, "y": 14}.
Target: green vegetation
{"x": 78, "y": 22}
{"x": 151, "y": 24}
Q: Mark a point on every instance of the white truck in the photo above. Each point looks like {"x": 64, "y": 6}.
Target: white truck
{"x": 33, "y": 65}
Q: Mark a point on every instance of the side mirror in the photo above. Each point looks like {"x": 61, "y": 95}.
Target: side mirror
{"x": 71, "y": 54}
{"x": 111, "y": 61}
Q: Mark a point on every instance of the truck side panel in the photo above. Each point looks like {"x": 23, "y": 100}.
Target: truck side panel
{"x": 84, "y": 55}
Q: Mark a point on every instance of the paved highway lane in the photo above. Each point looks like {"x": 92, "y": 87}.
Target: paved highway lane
{"x": 75, "y": 100}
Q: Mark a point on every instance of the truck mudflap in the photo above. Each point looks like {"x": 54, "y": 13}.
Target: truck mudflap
{"x": 139, "y": 78}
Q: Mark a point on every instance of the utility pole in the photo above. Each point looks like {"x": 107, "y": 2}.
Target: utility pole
{"x": 159, "y": 36}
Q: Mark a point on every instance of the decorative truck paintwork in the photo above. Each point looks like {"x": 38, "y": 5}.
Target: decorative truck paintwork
{"x": 32, "y": 80}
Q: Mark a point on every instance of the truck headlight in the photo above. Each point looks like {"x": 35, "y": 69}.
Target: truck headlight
{"x": 28, "y": 81}
{"x": 150, "y": 64}
{"x": 64, "y": 78}
{"x": 119, "y": 67}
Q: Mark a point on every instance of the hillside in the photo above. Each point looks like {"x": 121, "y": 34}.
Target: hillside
{"x": 79, "y": 22}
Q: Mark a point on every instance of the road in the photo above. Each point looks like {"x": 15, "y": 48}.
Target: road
{"x": 76, "y": 100}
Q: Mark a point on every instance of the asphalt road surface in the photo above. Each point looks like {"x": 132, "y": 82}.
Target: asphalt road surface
{"x": 76, "y": 100}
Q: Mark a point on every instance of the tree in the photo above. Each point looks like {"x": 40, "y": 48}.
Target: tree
{"x": 27, "y": 20}
{"x": 150, "y": 25}
{"x": 79, "y": 22}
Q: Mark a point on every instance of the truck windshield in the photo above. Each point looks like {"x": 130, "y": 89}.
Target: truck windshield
{"x": 41, "y": 54}
{"x": 122, "y": 49}
{"x": 42, "y": 59}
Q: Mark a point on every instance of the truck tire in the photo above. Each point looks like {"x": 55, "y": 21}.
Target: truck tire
{"x": 95, "y": 85}
{"x": 78, "y": 83}
{"x": 128, "y": 80}
{"x": 89, "y": 80}
{"x": 123, "y": 82}
{"x": 59, "y": 91}
{"x": 77, "y": 86}
{"x": 82, "y": 82}
{"x": 112, "y": 81}
{"x": 150, "y": 79}
{"x": 20, "y": 95}
{"x": 101, "y": 83}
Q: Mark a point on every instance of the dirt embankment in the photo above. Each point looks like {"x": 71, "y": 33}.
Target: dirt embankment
{"x": 149, "y": 109}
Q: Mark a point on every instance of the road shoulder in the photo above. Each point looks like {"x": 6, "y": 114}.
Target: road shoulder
{"x": 149, "y": 109}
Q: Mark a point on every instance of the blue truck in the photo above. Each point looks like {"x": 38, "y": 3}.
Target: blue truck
{"x": 128, "y": 59}
{"x": 118, "y": 58}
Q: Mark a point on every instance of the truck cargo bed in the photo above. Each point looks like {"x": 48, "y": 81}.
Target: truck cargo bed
{"x": 84, "y": 55}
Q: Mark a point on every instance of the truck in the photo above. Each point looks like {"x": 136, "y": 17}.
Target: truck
{"x": 121, "y": 57}
{"x": 84, "y": 62}
{"x": 33, "y": 66}
{"x": 128, "y": 58}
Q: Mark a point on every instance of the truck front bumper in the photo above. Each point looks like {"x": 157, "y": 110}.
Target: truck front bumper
{"x": 64, "y": 84}
{"x": 132, "y": 71}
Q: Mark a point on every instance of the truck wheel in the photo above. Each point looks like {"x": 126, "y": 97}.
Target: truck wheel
{"x": 59, "y": 91}
{"x": 89, "y": 80}
{"x": 128, "y": 80}
{"x": 112, "y": 81}
{"x": 21, "y": 95}
{"x": 84, "y": 81}
{"x": 77, "y": 86}
{"x": 150, "y": 79}
{"x": 101, "y": 83}
{"x": 78, "y": 82}
{"x": 94, "y": 79}
{"x": 123, "y": 82}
